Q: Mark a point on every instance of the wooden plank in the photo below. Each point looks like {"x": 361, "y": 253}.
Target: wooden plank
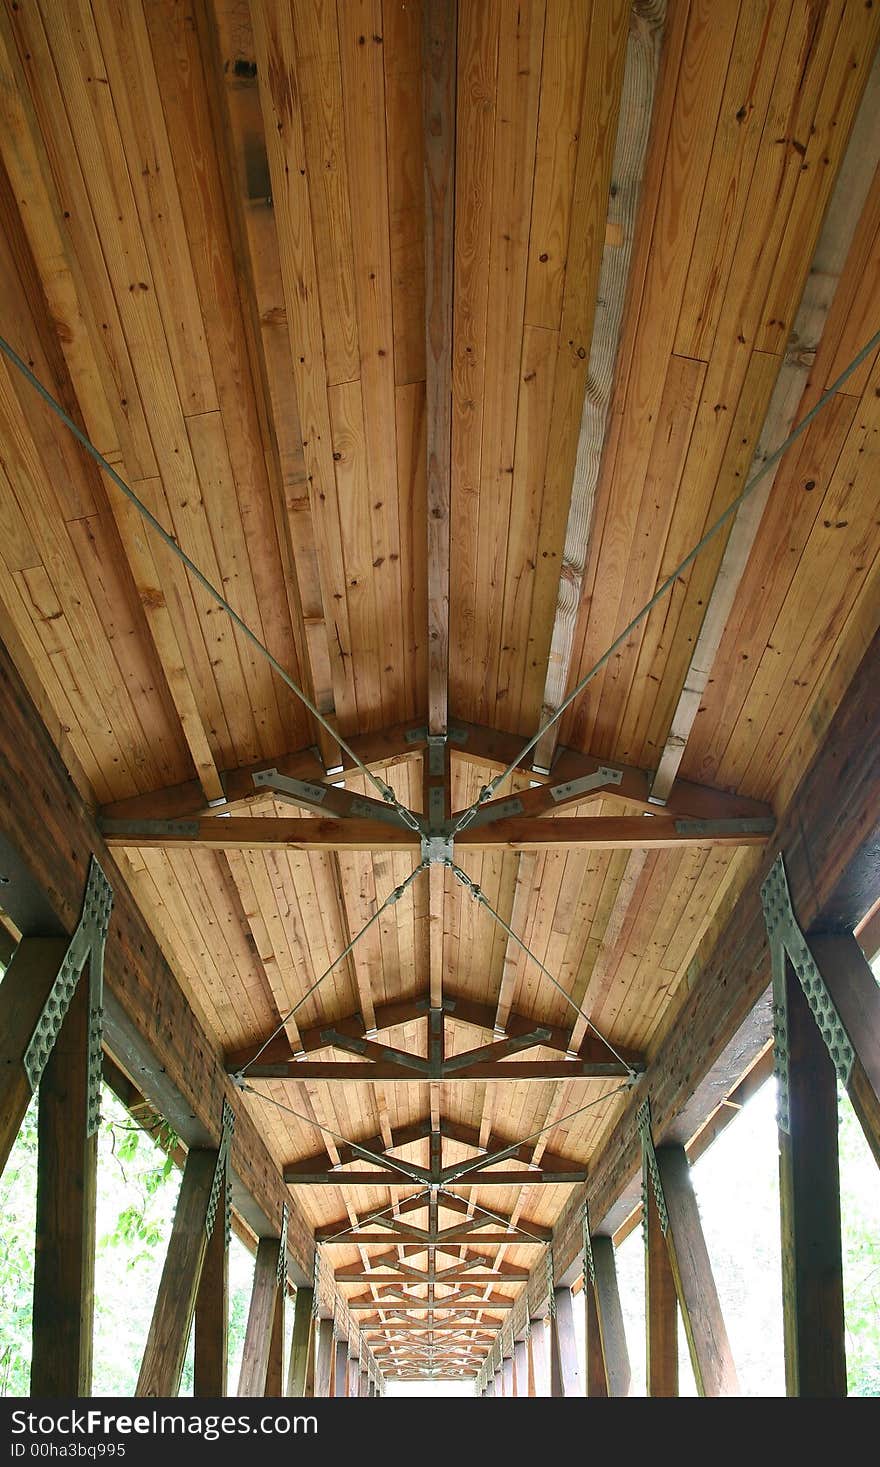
{"x": 178, "y": 1287}
{"x": 265, "y": 1296}
{"x": 210, "y": 1363}
{"x": 809, "y": 1197}
{"x": 711, "y": 1356}
{"x": 440, "y": 19}
{"x": 565, "y": 1377}
{"x": 64, "y": 1264}
{"x": 26, "y": 985}
{"x": 508, "y": 1382}
{"x": 661, "y": 1310}
{"x": 615, "y": 1353}
{"x": 150, "y": 1025}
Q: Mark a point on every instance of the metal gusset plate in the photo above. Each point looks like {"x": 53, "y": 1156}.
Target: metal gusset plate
{"x": 589, "y": 1266}
{"x": 786, "y": 939}
{"x": 282, "y": 1248}
{"x": 570, "y": 788}
{"x": 650, "y": 1171}
{"x": 86, "y": 946}
{"x": 221, "y": 1166}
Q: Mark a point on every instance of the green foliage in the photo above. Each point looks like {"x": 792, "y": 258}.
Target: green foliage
{"x": 18, "y": 1210}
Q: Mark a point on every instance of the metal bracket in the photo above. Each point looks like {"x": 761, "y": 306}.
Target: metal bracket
{"x": 221, "y": 1166}
{"x": 786, "y": 938}
{"x": 296, "y": 790}
{"x": 497, "y": 810}
{"x": 282, "y": 1247}
{"x": 650, "y": 1171}
{"x": 744, "y": 826}
{"x": 86, "y": 946}
{"x": 149, "y": 827}
{"x": 571, "y": 787}
{"x": 437, "y": 850}
{"x": 589, "y": 1266}
{"x": 436, "y": 753}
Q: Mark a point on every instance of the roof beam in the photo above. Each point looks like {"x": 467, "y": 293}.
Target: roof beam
{"x": 439, "y": 38}
{"x": 517, "y": 833}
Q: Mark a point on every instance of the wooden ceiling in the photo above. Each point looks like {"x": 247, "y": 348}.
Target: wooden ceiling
{"x": 652, "y": 246}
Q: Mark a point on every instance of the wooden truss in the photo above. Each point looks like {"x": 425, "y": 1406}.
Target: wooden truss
{"x": 313, "y": 1171}
{"x": 372, "y": 1061}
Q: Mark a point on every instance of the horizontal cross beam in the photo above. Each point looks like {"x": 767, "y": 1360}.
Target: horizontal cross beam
{"x": 361, "y": 1072}
{"x": 453, "y": 1236}
{"x": 518, "y": 833}
{"x": 477, "y": 1178}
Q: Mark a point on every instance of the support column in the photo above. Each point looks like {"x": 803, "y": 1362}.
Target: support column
{"x": 212, "y": 1311}
{"x": 364, "y": 1384}
{"x": 596, "y": 1383}
{"x": 539, "y": 1357}
{"x": 711, "y": 1355}
{"x": 275, "y": 1366}
{"x": 661, "y": 1307}
{"x": 26, "y": 985}
{"x": 324, "y": 1357}
{"x": 302, "y": 1343}
{"x": 499, "y": 1383}
{"x": 265, "y": 1297}
{"x": 340, "y": 1368}
{"x": 809, "y": 1189}
{"x": 175, "y": 1302}
{"x": 521, "y": 1367}
{"x": 64, "y": 1266}
{"x": 489, "y": 1389}
{"x": 564, "y": 1369}
{"x": 353, "y": 1379}
{"x": 507, "y": 1377}
{"x": 615, "y": 1353}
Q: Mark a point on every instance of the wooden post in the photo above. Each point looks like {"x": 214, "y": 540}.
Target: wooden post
{"x": 507, "y": 1376}
{"x": 521, "y": 1367}
{"x": 364, "y": 1387}
{"x": 353, "y": 1378}
{"x": 212, "y": 1311}
{"x": 64, "y": 1266}
{"x": 539, "y": 1354}
{"x": 499, "y": 1383}
{"x": 324, "y": 1357}
{"x": 711, "y": 1356}
{"x": 596, "y": 1382}
{"x": 265, "y": 1295}
{"x": 615, "y": 1353}
{"x": 809, "y": 1190}
{"x": 565, "y": 1379}
{"x": 175, "y": 1302}
{"x": 851, "y": 983}
{"x": 340, "y": 1368}
{"x": 490, "y": 1387}
{"x": 26, "y": 986}
{"x": 661, "y": 1310}
{"x": 275, "y": 1367}
{"x": 302, "y": 1343}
